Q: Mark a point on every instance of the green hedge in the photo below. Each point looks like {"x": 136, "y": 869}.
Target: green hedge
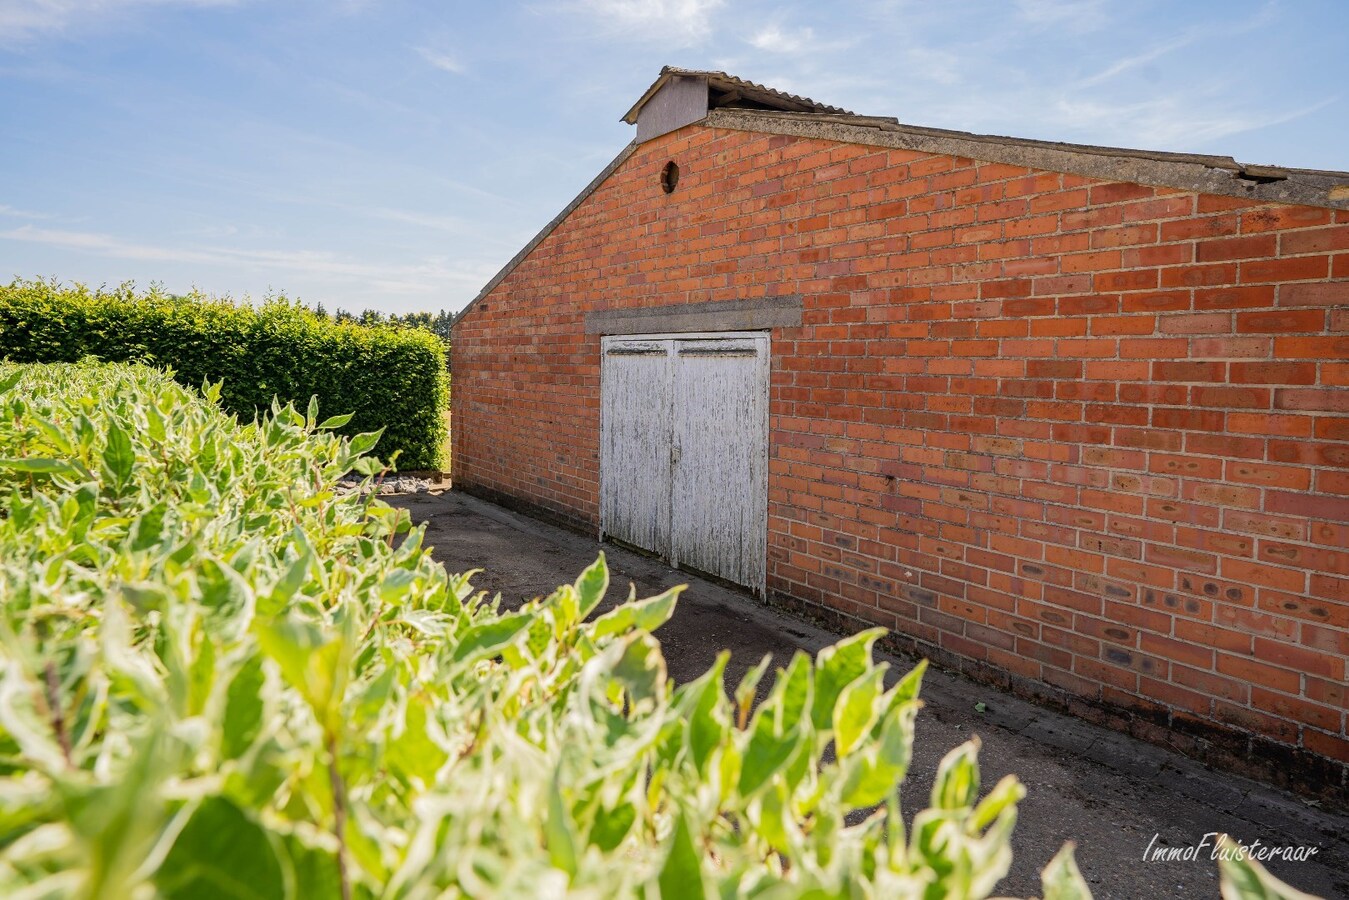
{"x": 386, "y": 377}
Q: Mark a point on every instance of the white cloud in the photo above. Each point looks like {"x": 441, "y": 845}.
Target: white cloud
{"x": 23, "y": 19}
{"x": 11, "y": 212}
{"x": 683, "y": 22}
{"x": 940, "y": 66}
{"x": 1133, "y": 62}
{"x": 442, "y": 61}
{"x": 1172, "y": 123}
{"x": 104, "y": 245}
{"x": 448, "y": 224}
{"x": 1070, "y": 15}
{"x": 775, "y": 40}
{"x": 1208, "y": 33}
{"x": 421, "y": 277}
{"x": 775, "y": 37}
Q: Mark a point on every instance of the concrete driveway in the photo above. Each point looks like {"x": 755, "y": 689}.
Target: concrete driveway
{"x": 1111, "y": 794}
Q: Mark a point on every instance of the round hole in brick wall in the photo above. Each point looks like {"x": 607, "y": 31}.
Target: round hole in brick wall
{"x": 669, "y": 177}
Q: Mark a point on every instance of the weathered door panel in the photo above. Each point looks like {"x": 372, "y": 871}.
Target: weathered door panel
{"x": 719, "y": 503}
{"x": 635, "y": 427}
{"x": 684, "y": 450}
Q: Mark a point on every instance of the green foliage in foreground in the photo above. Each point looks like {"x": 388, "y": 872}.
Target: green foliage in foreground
{"x": 387, "y": 377}
{"x": 220, "y": 678}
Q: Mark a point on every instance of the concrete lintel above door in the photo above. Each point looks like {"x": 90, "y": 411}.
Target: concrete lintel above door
{"x": 756, "y": 314}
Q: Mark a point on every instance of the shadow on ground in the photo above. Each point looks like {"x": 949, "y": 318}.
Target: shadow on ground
{"x": 1109, "y": 793}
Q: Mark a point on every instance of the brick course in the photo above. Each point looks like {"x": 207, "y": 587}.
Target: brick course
{"x": 1087, "y": 440}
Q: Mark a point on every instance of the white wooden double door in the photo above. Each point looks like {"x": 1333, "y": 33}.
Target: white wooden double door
{"x": 684, "y": 450}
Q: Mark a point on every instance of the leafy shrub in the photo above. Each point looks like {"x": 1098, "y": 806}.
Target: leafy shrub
{"x": 386, "y": 377}
{"x": 221, "y": 678}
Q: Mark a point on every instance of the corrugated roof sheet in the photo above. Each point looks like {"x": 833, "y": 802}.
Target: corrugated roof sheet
{"x": 728, "y": 84}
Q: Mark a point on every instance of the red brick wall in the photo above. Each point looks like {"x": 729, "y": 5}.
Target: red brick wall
{"x": 1088, "y": 439}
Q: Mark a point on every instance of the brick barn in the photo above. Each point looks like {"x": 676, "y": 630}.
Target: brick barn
{"x": 1073, "y": 420}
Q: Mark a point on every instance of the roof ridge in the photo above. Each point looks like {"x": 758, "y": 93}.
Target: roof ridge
{"x": 890, "y": 123}
{"x": 1201, "y": 173}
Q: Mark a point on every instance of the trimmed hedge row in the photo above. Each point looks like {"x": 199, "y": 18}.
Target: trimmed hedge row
{"x": 389, "y": 378}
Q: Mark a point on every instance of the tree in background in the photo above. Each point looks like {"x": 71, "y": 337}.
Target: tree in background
{"x": 438, "y": 323}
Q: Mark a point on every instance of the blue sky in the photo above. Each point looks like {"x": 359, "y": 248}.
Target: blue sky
{"x": 394, "y": 154}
